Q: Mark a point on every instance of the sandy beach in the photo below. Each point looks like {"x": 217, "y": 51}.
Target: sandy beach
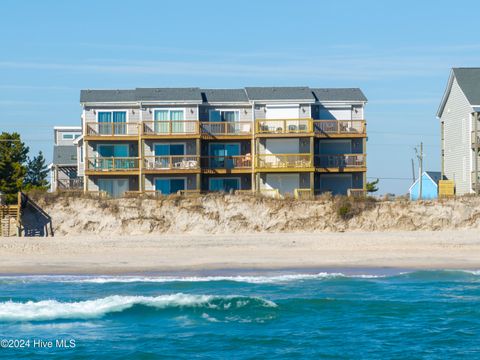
{"x": 136, "y": 254}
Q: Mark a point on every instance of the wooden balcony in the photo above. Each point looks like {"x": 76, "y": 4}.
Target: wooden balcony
{"x": 171, "y": 129}
{"x": 341, "y": 162}
{"x": 340, "y": 128}
{"x": 227, "y": 164}
{"x": 118, "y": 165}
{"x": 229, "y": 129}
{"x": 283, "y": 127}
{"x": 172, "y": 163}
{"x": 284, "y": 162}
{"x": 110, "y": 129}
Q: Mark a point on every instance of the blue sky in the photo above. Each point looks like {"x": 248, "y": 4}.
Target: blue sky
{"x": 399, "y": 53}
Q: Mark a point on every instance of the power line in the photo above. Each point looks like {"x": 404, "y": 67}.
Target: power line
{"x": 388, "y": 178}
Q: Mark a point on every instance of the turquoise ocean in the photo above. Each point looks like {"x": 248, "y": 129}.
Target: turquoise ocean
{"x": 267, "y": 315}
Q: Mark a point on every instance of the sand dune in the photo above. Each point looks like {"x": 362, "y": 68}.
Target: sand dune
{"x": 217, "y": 214}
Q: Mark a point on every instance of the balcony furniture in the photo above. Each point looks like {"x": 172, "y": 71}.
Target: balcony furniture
{"x": 292, "y": 128}
{"x": 302, "y": 127}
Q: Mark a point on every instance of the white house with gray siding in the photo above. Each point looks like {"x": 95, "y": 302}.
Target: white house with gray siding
{"x": 460, "y": 129}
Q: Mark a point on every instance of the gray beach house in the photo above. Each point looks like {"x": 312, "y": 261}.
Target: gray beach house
{"x": 460, "y": 129}
{"x": 273, "y": 140}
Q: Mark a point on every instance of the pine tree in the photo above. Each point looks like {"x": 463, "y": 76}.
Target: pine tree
{"x": 372, "y": 186}
{"x": 37, "y": 173}
{"x": 13, "y": 154}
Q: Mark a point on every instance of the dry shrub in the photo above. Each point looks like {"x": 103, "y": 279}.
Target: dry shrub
{"x": 348, "y": 207}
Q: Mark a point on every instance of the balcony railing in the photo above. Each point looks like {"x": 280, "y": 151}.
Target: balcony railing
{"x": 227, "y": 162}
{"x": 111, "y": 129}
{"x": 340, "y": 161}
{"x": 70, "y": 184}
{"x": 113, "y": 164}
{"x": 284, "y": 126}
{"x": 279, "y": 161}
{"x": 339, "y": 126}
{"x": 227, "y": 128}
{"x": 183, "y": 127}
{"x": 172, "y": 162}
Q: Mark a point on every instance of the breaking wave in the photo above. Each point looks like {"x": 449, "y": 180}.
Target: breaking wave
{"x": 89, "y": 309}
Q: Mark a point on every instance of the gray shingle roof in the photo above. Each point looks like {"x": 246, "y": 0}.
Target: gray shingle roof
{"x": 469, "y": 81}
{"x": 224, "y": 95}
{"x": 340, "y": 94}
{"x": 197, "y": 96}
{"x": 280, "y": 93}
{"x": 107, "y": 95}
{"x": 65, "y": 155}
{"x": 169, "y": 94}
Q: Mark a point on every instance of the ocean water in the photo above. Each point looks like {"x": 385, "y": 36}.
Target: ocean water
{"x": 280, "y": 315}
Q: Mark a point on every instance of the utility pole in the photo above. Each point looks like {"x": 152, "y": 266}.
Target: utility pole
{"x": 420, "y": 162}
{"x": 413, "y": 172}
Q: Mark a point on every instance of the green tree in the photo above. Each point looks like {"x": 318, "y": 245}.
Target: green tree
{"x": 372, "y": 186}
{"x": 37, "y": 173}
{"x": 13, "y": 154}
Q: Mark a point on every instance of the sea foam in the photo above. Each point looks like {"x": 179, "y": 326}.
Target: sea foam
{"x": 89, "y": 309}
{"x": 253, "y": 279}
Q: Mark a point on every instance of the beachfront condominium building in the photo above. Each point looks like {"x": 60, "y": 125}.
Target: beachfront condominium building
{"x": 460, "y": 130}
{"x": 274, "y": 140}
{"x": 63, "y": 169}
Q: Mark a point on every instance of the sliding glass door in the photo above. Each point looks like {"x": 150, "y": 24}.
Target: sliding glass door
{"x": 111, "y": 156}
{"x": 164, "y": 153}
{"x": 222, "y": 155}
{"x": 227, "y": 119}
{"x": 112, "y": 122}
{"x": 169, "y": 121}
{"x": 113, "y": 187}
{"x": 168, "y": 186}
{"x": 224, "y": 184}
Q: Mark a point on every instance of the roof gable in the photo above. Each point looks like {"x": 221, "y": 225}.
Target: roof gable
{"x": 469, "y": 81}
{"x": 433, "y": 176}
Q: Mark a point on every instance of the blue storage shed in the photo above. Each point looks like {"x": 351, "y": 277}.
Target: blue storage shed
{"x": 429, "y": 186}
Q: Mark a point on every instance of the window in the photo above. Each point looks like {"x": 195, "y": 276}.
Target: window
{"x": 112, "y": 122}
{"x": 224, "y": 115}
{"x": 169, "y": 120}
{"x": 67, "y": 136}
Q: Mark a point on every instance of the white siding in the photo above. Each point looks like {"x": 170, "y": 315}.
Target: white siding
{"x": 457, "y": 147}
